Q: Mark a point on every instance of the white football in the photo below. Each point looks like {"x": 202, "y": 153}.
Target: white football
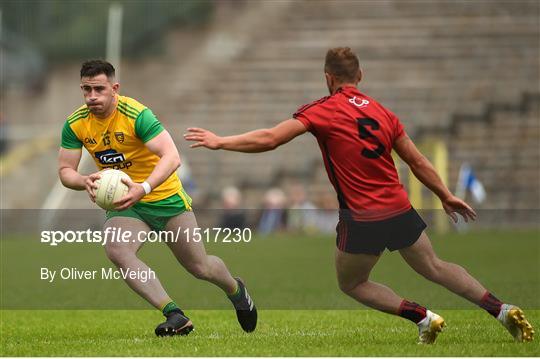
{"x": 110, "y": 188}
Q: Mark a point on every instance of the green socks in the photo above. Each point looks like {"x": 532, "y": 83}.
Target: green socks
{"x": 236, "y": 295}
{"x": 169, "y": 307}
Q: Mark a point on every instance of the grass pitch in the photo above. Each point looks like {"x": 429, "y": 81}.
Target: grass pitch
{"x": 280, "y": 333}
{"x": 292, "y": 280}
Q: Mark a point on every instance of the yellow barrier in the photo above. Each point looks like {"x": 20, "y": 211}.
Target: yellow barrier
{"x": 437, "y": 152}
{"x": 24, "y": 152}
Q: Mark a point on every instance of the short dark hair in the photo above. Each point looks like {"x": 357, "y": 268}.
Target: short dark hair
{"x": 342, "y": 63}
{"x": 93, "y": 68}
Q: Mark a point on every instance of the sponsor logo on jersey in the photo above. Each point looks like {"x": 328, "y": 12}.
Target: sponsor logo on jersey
{"x": 109, "y": 157}
{"x": 119, "y": 136}
{"x": 90, "y": 141}
{"x": 363, "y": 103}
{"x": 113, "y": 159}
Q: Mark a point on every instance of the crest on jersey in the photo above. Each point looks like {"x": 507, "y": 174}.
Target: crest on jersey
{"x": 360, "y": 104}
{"x": 119, "y": 136}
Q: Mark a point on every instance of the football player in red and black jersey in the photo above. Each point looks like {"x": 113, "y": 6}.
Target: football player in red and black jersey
{"x": 356, "y": 135}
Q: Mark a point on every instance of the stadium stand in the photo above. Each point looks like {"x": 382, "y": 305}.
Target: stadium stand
{"x": 430, "y": 62}
{"x": 502, "y": 145}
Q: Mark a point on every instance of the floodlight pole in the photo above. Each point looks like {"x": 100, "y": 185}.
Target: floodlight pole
{"x": 1, "y": 52}
{"x": 114, "y": 37}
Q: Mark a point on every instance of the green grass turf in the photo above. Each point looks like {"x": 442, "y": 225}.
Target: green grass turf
{"x": 280, "y": 333}
{"x": 291, "y": 278}
{"x": 281, "y": 271}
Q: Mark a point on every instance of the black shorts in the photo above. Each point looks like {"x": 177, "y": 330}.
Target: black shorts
{"x": 374, "y": 237}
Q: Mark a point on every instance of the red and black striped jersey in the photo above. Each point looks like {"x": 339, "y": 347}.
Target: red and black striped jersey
{"x": 356, "y": 135}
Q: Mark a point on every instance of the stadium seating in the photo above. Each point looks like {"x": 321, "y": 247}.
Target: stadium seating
{"x": 502, "y": 146}
{"x": 429, "y": 61}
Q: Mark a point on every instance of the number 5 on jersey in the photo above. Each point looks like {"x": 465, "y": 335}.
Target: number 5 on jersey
{"x": 365, "y": 134}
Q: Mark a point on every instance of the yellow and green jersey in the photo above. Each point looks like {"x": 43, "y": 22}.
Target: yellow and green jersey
{"x": 118, "y": 142}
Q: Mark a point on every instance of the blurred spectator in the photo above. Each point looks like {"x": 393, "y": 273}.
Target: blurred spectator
{"x": 273, "y": 217}
{"x": 184, "y": 173}
{"x": 327, "y": 215}
{"x": 302, "y": 214}
{"x": 233, "y": 216}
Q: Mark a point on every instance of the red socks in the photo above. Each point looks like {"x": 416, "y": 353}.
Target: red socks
{"x": 412, "y": 311}
{"x": 491, "y": 304}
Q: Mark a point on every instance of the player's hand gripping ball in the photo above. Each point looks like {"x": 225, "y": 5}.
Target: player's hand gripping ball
{"x": 110, "y": 188}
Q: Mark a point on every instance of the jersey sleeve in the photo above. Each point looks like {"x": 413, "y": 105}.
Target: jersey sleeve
{"x": 69, "y": 138}
{"x": 302, "y": 117}
{"x": 399, "y": 130}
{"x": 397, "y": 127}
{"x": 147, "y": 125}
{"x": 316, "y": 117}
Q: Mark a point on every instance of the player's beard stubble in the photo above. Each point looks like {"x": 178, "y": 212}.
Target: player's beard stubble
{"x": 101, "y": 109}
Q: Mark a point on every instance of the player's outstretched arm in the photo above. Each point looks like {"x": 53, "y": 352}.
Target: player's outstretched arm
{"x": 255, "y": 141}
{"x": 426, "y": 173}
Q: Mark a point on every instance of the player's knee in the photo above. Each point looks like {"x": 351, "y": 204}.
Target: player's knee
{"x": 199, "y": 270}
{"x": 117, "y": 255}
{"x": 434, "y": 270}
{"x": 348, "y": 286}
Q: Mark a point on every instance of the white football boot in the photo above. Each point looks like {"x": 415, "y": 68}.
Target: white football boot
{"x": 430, "y": 327}
{"x": 515, "y": 322}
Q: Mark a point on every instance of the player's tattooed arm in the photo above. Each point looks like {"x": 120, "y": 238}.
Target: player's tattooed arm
{"x": 254, "y": 141}
{"x": 426, "y": 173}
{"x": 68, "y": 163}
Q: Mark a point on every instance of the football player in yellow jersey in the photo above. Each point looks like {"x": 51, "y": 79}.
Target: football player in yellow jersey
{"x": 121, "y": 133}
